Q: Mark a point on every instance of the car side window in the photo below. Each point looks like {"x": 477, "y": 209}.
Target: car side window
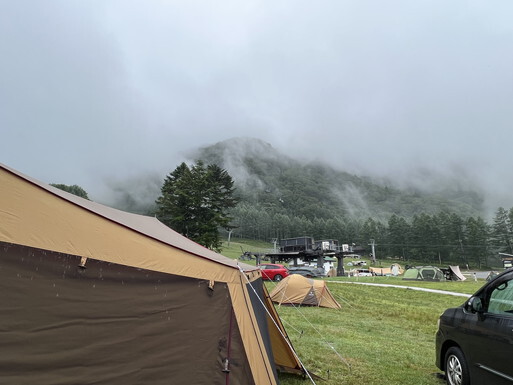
{"x": 501, "y": 299}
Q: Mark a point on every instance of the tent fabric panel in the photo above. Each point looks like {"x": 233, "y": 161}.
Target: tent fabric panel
{"x": 411, "y": 274}
{"x": 457, "y": 273}
{"x": 311, "y": 297}
{"x": 257, "y": 348}
{"x": 108, "y": 323}
{"x": 33, "y": 217}
{"x": 233, "y": 349}
{"x": 325, "y": 297}
{"x": 256, "y": 297}
{"x": 381, "y": 270}
{"x": 292, "y": 289}
{"x": 261, "y": 364}
{"x": 396, "y": 269}
{"x": 283, "y": 352}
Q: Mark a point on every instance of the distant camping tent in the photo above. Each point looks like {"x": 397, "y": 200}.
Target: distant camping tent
{"x": 299, "y": 290}
{"x": 395, "y": 269}
{"x": 380, "y": 270}
{"x": 424, "y": 273}
{"x": 455, "y": 274}
{"x": 91, "y": 294}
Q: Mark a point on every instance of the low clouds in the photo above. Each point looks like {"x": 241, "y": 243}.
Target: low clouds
{"x": 112, "y": 89}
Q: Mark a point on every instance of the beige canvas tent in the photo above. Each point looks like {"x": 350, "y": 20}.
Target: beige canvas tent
{"x": 380, "y": 270}
{"x": 299, "y": 290}
{"x": 394, "y": 269}
{"x": 91, "y": 294}
{"x": 455, "y": 273}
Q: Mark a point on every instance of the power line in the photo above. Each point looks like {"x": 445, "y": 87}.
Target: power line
{"x": 426, "y": 245}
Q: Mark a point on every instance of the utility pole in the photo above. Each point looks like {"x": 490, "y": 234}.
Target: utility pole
{"x": 463, "y": 253}
{"x": 373, "y": 251}
{"x": 274, "y": 240}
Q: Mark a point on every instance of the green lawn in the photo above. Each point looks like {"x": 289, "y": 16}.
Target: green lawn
{"x": 235, "y": 248}
{"x": 382, "y": 335}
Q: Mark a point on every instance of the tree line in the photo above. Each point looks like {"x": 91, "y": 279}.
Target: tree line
{"x": 440, "y": 238}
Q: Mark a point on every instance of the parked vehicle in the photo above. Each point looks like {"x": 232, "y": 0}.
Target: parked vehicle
{"x": 474, "y": 342}
{"x": 273, "y": 271}
{"x": 307, "y": 271}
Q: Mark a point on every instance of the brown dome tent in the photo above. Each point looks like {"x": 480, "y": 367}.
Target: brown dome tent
{"x": 299, "y": 290}
{"x": 91, "y": 294}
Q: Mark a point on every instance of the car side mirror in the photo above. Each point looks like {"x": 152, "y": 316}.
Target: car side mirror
{"x": 474, "y": 305}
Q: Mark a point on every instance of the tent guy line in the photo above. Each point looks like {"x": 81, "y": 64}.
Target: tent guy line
{"x": 243, "y": 274}
{"x": 332, "y": 303}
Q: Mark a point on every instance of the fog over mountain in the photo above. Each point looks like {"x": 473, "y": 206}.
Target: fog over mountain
{"x": 258, "y": 168}
{"x": 264, "y": 176}
{"x": 409, "y": 93}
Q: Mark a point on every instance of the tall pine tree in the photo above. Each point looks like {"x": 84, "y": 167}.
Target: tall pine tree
{"x": 501, "y": 231}
{"x": 195, "y": 202}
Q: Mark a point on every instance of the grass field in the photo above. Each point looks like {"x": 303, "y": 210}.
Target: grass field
{"x": 235, "y": 248}
{"x": 382, "y": 335}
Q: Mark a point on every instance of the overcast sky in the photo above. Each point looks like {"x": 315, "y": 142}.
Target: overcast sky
{"x": 91, "y": 90}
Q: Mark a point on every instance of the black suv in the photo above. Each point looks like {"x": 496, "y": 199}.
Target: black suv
{"x": 474, "y": 342}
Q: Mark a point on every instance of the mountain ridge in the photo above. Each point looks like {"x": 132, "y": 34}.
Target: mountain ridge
{"x": 266, "y": 178}
{"x": 268, "y": 181}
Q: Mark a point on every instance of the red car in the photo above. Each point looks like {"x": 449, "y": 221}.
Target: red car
{"x": 273, "y": 271}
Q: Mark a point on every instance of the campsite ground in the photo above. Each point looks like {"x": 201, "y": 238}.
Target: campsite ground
{"x": 382, "y": 335}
